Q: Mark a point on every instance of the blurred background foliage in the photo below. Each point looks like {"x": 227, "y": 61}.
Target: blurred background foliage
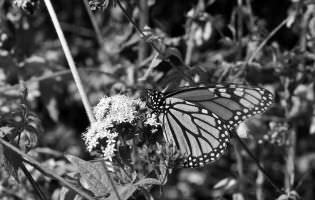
{"x": 207, "y": 41}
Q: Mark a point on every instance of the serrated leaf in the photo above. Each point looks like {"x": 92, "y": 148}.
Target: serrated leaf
{"x": 93, "y": 177}
{"x": 148, "y": 182}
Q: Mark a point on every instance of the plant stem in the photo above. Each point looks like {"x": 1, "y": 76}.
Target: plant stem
{"x": 264, "y": 42}
{"x": 143, "y": 21}
{"x": 258, "y": 163}
{"x": 69, "y": 58}
{"x": 290, "y": 174}
{"x": 76, "y": 77}
{"x": 239, "y": 166}
{"x": 259, "y": 185}
{"x": 260, "y": 179}
{"x": 33, "y": 183}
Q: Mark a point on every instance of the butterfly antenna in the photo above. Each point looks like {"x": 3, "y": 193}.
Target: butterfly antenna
{"x": 261, "y": 168}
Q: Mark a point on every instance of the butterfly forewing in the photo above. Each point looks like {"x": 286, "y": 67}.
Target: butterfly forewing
{"x": 233, "y": 103}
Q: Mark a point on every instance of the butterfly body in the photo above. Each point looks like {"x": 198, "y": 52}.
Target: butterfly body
{"x": 198, "y": 120}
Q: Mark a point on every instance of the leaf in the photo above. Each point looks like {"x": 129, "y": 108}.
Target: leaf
{"x": 10, "y": 161}
{"x": 95, "y": 180}
{"x": 148, "y": 182}
{"x": 93, "y": 177}
{"x": 171, "y": 51}
{"x": 125, "y": 192}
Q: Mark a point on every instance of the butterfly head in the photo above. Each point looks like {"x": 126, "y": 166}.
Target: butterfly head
{"x": 155, "y": 100}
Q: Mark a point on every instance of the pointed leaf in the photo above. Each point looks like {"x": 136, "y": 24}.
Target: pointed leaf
{"x": 93, "y": 177}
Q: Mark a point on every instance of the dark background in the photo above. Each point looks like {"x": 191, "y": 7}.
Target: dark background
{"x": 284, "y": 65}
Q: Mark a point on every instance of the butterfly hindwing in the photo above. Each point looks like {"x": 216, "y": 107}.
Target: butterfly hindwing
{"x": 200, "y": 136}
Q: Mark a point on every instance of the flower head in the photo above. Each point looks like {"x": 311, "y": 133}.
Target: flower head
{"x": 118, "y": 108}
{"x": 111, "y": 114}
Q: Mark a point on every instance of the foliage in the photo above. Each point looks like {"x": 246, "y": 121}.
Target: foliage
{"x": 125, "y": 47}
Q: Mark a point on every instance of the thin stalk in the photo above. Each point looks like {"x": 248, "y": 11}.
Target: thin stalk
{"x": 94, "y": 23}
{"x": 28, "y": 159}
{"x": 190, "y": 43}
{"x": 258, "y": 163}
{"x": 304, "y": 177}
{"x": 33, "y": 183}
{"x": 239, "y": 166}
{"x": 264, "y": 42}
{"x": 143, "y": 21}
{"x": 76, "y": 77}
{"x": 290, "y": 167}
{"x": 260, "y": 179}
{"x": 259, "y": 185}
{"x": 69, "y": 58}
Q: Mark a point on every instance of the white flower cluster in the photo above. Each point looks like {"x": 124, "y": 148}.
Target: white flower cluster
{"x": 110, "y": 112}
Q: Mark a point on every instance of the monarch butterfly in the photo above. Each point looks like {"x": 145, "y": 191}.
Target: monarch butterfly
{"x": 198, "y": 120}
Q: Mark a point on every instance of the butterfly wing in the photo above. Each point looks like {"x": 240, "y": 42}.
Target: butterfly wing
{"x": 200, "y": 135}
{"x": 197, "y": 120}
{"x": 232, "y": 103}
